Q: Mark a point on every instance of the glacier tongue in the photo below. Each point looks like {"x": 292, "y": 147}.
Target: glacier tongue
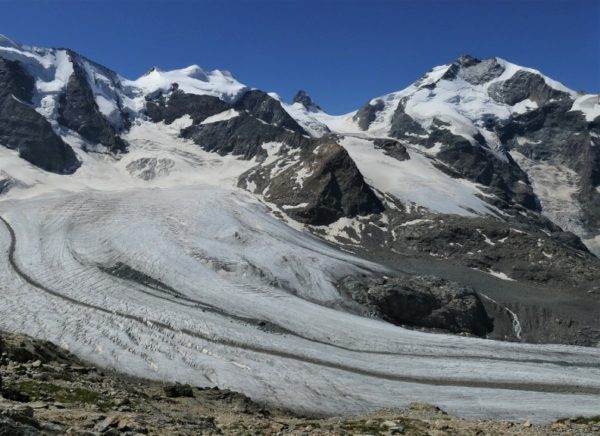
{"x": 202, "y": 285}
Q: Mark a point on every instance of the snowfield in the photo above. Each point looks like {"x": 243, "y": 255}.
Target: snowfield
{"x": 417, "y": 180}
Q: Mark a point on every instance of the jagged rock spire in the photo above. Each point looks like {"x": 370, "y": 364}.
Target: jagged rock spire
{"x": 304, "y": 99}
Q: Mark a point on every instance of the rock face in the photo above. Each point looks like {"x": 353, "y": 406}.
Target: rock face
{"x": 490, "y": 122}
{"x": 402, "y": 125}
{"x": 554, "y": 134}
{"x": 177, "y": 104}
{"x": 525, "y": 85}
{"x": 265, "y": 108}
{"x": 392, "y": 148}
{"x": 506, "y": 180}
{"x": 525, "y": 253}
{"x": 421, "y": 302}
{"x": 259, "y": 118}
{"x": 79, "y": 111}
{"x": 25, "y": 130}
{"x": 367, "y": 114}
{"x": 477, "y": 72}
{"x": 242, "y": 136}
{"x": 304, "y": 99}
{"x": 315, "y": 185}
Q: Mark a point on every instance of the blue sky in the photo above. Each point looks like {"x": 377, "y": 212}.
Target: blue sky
{"x": 343, "y": 52}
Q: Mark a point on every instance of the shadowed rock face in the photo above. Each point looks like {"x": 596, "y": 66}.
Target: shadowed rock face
{"x": 78, "y": 111}
{"x": 25, "y": 130}
{"x": 178, "y": 103}
{"x": 317, "y": 185}
{"x": 403, "y": 126}
{"x": 14, "y": 80}
{"x": 478, "y": 164}
{"x": 392, "y": 148}
{"x": 304, "y": 99}
{"x": 260, "y": 119}
{"x": 367, "y": 114}
{"x": 420, "y": 301}
{"x": 556, "y": 135}
{"x": 242, "y": 136}
{"x": 524, "y": 85}
{"x": 265, "y": 108}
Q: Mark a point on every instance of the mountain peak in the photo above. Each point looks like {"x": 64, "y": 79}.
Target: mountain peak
{"x": 467, "y": 60}
{"x": 305, "y": 100}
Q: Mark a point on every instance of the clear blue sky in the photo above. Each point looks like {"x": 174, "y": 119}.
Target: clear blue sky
{"x": 343, "y": 52}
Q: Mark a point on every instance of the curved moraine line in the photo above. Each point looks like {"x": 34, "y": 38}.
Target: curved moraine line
{"x": 533, "y": 387}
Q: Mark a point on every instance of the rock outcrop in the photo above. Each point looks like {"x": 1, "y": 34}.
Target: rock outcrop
{"x": 25, "y": 130}
{"x": 79, "y": 111}
{"x": 315, "y": 185}
{"x": 420, "y": 301}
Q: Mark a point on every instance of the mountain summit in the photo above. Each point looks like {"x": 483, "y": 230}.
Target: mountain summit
{"x": 187, "y": 227}
{"x": 304, "y": 99}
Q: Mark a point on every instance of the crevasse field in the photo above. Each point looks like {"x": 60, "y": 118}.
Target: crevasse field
{"x": 186, "y": 278}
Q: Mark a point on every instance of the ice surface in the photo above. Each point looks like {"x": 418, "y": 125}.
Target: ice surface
{"x": 243, "y": 301}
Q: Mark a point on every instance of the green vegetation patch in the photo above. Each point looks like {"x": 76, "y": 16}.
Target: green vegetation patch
{"x": 63, "y": 394}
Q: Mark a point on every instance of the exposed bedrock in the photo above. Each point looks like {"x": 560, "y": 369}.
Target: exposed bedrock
{"x": 532, "y": 322}
{"x": 420, "y": 301}
{"x": 556, "y": 135}
{"x": 178, "y": 104}
{"x": 242, "y": 136}
{"x": 258, "y": 119}
{"x": 392, "y": 148}
{"x": 315, "y": 185}
{"x": 367, "y": 114}
{"x": 474, "y": 162}
{"x": 79, "y": 111}
{"x": 265, "y": 108}
{"x": 25, "y": 130}
{"x": 305, "y": 100}
{"x": 549, "y": 257}
{"x": 524, "y": 85}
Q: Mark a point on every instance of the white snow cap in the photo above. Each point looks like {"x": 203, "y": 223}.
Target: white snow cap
{"x": 192, "y": 80}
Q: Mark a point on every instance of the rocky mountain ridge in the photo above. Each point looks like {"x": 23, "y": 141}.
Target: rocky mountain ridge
{"x": 186, "y": 227}
{"x": 479, "y": 162}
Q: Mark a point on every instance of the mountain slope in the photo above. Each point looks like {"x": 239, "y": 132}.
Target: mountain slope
{"x": 501, "y": 126}
{"x": 184, "y": 225}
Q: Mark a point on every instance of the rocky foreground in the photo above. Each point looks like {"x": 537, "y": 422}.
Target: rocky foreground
{"x": 46, "y": 390}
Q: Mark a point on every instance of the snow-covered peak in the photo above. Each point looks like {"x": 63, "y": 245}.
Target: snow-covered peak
{"x": 191, "y": 80}
{"x": 461, "y": 95}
